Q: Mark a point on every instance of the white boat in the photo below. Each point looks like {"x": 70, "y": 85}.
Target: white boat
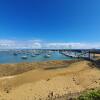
{"x": 37, "y": 53}
{"x": 33, "y": 55}
{"x": 47, "y": 56}
{"x": 24, "y": 57}
{"x": 15, "y": 54}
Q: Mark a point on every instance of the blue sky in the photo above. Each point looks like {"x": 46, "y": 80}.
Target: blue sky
{"x": 76, "y": 21}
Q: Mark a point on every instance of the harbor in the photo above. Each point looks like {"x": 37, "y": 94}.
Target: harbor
{"x": 39, "y": 55}
{"x": 18, "y": 56}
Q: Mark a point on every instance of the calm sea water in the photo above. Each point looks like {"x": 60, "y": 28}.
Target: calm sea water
{"x": 8, "y": 57}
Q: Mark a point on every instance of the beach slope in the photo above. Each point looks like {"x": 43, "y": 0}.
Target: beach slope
{"x": 50, "y": 82}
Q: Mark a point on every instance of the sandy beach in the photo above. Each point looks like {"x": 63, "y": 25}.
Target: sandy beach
{"x": 47, "y": 80}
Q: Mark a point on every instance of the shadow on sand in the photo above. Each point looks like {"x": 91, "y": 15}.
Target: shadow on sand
{"x": 97, "y": 63}
{"x": 51, "y": 68}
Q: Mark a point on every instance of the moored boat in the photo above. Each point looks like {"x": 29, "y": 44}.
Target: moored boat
{"x": 24, "y": 57}
{"x": 33, "y": 55}
{"x": 47, "y": 55}
{"x": 15, "y": 54}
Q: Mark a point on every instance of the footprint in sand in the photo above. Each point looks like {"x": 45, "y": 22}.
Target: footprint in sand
{"x": 75, "y": 80}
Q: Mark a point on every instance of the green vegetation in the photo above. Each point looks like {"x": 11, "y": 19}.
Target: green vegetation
{"x": 90, "y": 95}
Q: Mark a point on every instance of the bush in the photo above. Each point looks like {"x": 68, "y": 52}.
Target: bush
{"x": 93, "y": 95}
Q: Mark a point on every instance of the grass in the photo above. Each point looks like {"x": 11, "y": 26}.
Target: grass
{"x": 90, "y": 95}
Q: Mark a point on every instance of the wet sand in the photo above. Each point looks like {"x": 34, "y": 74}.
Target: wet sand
{"x": 50, "y": 80}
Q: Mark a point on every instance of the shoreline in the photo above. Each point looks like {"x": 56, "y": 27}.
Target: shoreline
{"x": 40, "y": 61}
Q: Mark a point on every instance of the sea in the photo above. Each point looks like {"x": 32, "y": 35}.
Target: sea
{"x": 7, "y": 57}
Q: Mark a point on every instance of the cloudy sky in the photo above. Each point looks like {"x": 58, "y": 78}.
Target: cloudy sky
{"x": 49, "y": 23}
{"x": 38, "y": 44}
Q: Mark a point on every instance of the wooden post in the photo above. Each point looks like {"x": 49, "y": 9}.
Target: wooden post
{"x": 89, "y": 54}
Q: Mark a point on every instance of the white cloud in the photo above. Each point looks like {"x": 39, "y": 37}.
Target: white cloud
{"x": 73, "y": 45}
{"x": 11, "y": 44}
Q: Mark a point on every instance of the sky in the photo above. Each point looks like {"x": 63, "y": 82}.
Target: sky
{"x": 50, "y": 23}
